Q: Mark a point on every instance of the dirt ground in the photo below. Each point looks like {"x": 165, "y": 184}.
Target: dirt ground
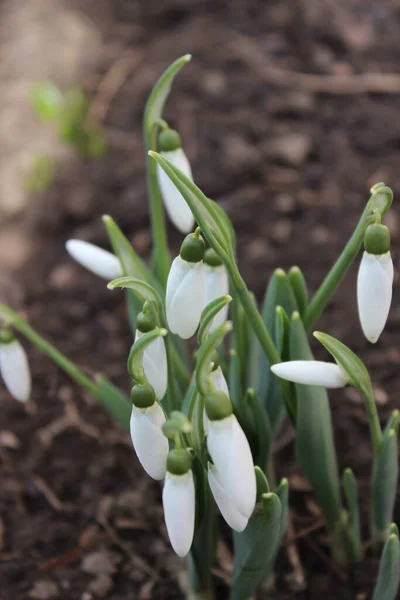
{"x": 284, "y": 129}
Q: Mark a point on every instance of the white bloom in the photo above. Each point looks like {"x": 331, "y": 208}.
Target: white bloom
{"x": 312, "y": 372}
{"x": 155, "y": 365}
{"x": 217, "y": 285}
{"x": 185, "y": 297}
{"x": 175, "y": 204}
{"x": 220, "y": 385}
{"x": 151, "y": 445}
{"x": 230, "y": 453}
{"x": 374, "y": 293}
{"x": 179, "y": 510}
{"x": 228, "y": 510}
{"x": 14, "y": 369}
{"x": 95, "y": 259}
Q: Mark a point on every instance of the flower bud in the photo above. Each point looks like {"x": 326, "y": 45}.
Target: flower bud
{"x": 149, "y": 442}
{"x": 14, "y": 367}
{"x": 312, "y": 372}
{"x": 154, "y": 361}
{"x": 184, "y": 297}
{"x": 175, "y": 204}
{"x": 217, "y": 285}
{"x": 95, "y": 259}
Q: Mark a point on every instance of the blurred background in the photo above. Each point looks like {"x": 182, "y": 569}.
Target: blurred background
{"x": 289, "y": 112}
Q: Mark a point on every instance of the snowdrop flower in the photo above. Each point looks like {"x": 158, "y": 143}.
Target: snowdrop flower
{"x": 14, "y": 367}
{"x": 374, "y": 282}
{"x": 185, "y": 288}
{"x": 179, "y": 501}
{"x": 154, "y": 360}
{"x": 312, "y": 372}
{"x": 175, "y": 204}
{"x": 95, "y": 259}
{"x": 217, "y": 285}
{"x": 149, "y": 441}
{"x": 231, "y": 477}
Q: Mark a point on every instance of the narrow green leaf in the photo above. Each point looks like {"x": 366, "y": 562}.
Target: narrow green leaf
{"x": 315, "y": 446}
{"x": 235, "y": 387}
{"x": 282, "y": 332}
{"x": 208, "y": 314}
{"x": 261, "y": 433}
{"x": 353, "y": 524}
{"x": 388, "y": 582}
{"x": 132, "y": 264}
{"x": 282, "y": 491}
{"x": 205, "y": 354}
{"x": 256, "y": 547}
{"x": 262, "y": 483}
{"x": 299, "y": 287}
{"x": 144, "y": 291}
{"x": 136, "y": 353}
{"x": 384, "y": 486}
{"x": 350, "y": 363}
{"x": 115, "y": 401}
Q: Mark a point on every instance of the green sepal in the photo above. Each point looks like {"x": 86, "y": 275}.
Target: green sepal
{"x": 143, "y": 395}
{"x": 211, "y": 258}
{"x": 208, "y": 314}
{"x": 256, "y": 547}
{"x": 384, "y": 482}
{"x": 218, "y": 405}
{"x": 135, "y": 357}
{"x": 205, "y": 354}
{"x": 299, "y": 287}
{"x": 192, "y": 248}
{"x": 179, "y": 461}
{"x": 145, "y": 321}
{"x": 388, "y": 581}
{"x": 169, "y": 140}
{"x": 350, "y": 363}
{"x": 353, "y": 529}
{"x": 315, "y": 446}
{"x": 6, "y": 336}
{"x": 377, "y": 239}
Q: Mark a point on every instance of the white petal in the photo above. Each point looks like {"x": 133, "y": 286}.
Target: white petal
{"x": 175, "y": 204}
{"x": 151, "y": 445}
{"x": 312, "y": 372}
{"x": 228, "y": 510}
{"x": 219, "y": 381}
{"x": 217, "y": 285}
{"x": 155, "y": 366}
{"x": 185, "y": 307}
{"x": 95, "y": 259}
{"x": 15, "y": 371}
{"x": 179, "y": 510}
{"x": 177, "y": 273}
{"x": 231, "y": 455}
{"x": 374, "y": 293}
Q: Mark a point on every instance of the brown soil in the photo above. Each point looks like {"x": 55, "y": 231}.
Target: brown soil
{"x": 291, "y": 160}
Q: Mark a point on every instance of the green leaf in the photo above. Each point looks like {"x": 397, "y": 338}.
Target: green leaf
{"x": 350, "y": 363}
{"x": 132, "y": 264}
{"x": 261, "y": 437}
{"x": 208, "y": 314}
{"x": 353, "y": 521}
{"x": 384, "y": 482}
{"x": 282, "y": 491}
{"x": 205, "y": 355}
{"x": 47, "y": 101}
{"x": 389, "y": 570}
{"x": 115, "y": 401}
{"x": 299, "y": 287}
{"x": 262, "y": 483}
{"x": 315, "y": 446}
{"x": 135, "y": 355}
{"x": 256, "y": 547}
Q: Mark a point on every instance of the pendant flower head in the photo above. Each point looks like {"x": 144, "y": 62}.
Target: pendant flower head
{"x": 217, "y": 285}
{"x": 149, "y": 441}
{"x": 185, "y": 288}
{"x": 374, "y": 282}
{"x": 179, "y": 501}
{"x": 312, "y": 372}
{"x": 175, "y": 204}
{"x": 100, "y": 262}
{"x": 14, "y": 367}
{"x": 154, "y": 360}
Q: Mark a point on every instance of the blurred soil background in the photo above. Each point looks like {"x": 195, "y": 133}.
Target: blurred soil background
{"x": 289, "y": 112}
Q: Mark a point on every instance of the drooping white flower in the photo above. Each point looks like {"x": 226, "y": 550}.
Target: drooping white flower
{"x": 374, "y": 293}
{"x": 150, "y": 443}
{"x": 312, "y": 372}
{"x": 175, "y": 204}
{"x": 155, "y": 365}
{"x": 231, "y": 455}
{"x": 14, "y": 369}
{"x": 220, "y": 385}
{"x": 185, "y": 297}
{"x": 228, "y": 510}
{"x": 179, "y": 510}
{"x": 217, "y": 285}
{"x": 95, "y": 259}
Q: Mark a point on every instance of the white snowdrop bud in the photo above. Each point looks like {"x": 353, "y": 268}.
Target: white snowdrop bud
{"x": 154, "y": 359}
{"x": 312, "y": 372}
{"x": 14, "y": 369}
{"x": 217, "y": 285}
{"x": 179, "y": 501}
{"x": 175, "y": 204}
{"x": 95, "y": 259}
{"x": 149, "y": 441}
{"x": 375, "y": 281}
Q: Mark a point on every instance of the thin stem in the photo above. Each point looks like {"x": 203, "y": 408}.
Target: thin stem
{"x": 59, "y": 359}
